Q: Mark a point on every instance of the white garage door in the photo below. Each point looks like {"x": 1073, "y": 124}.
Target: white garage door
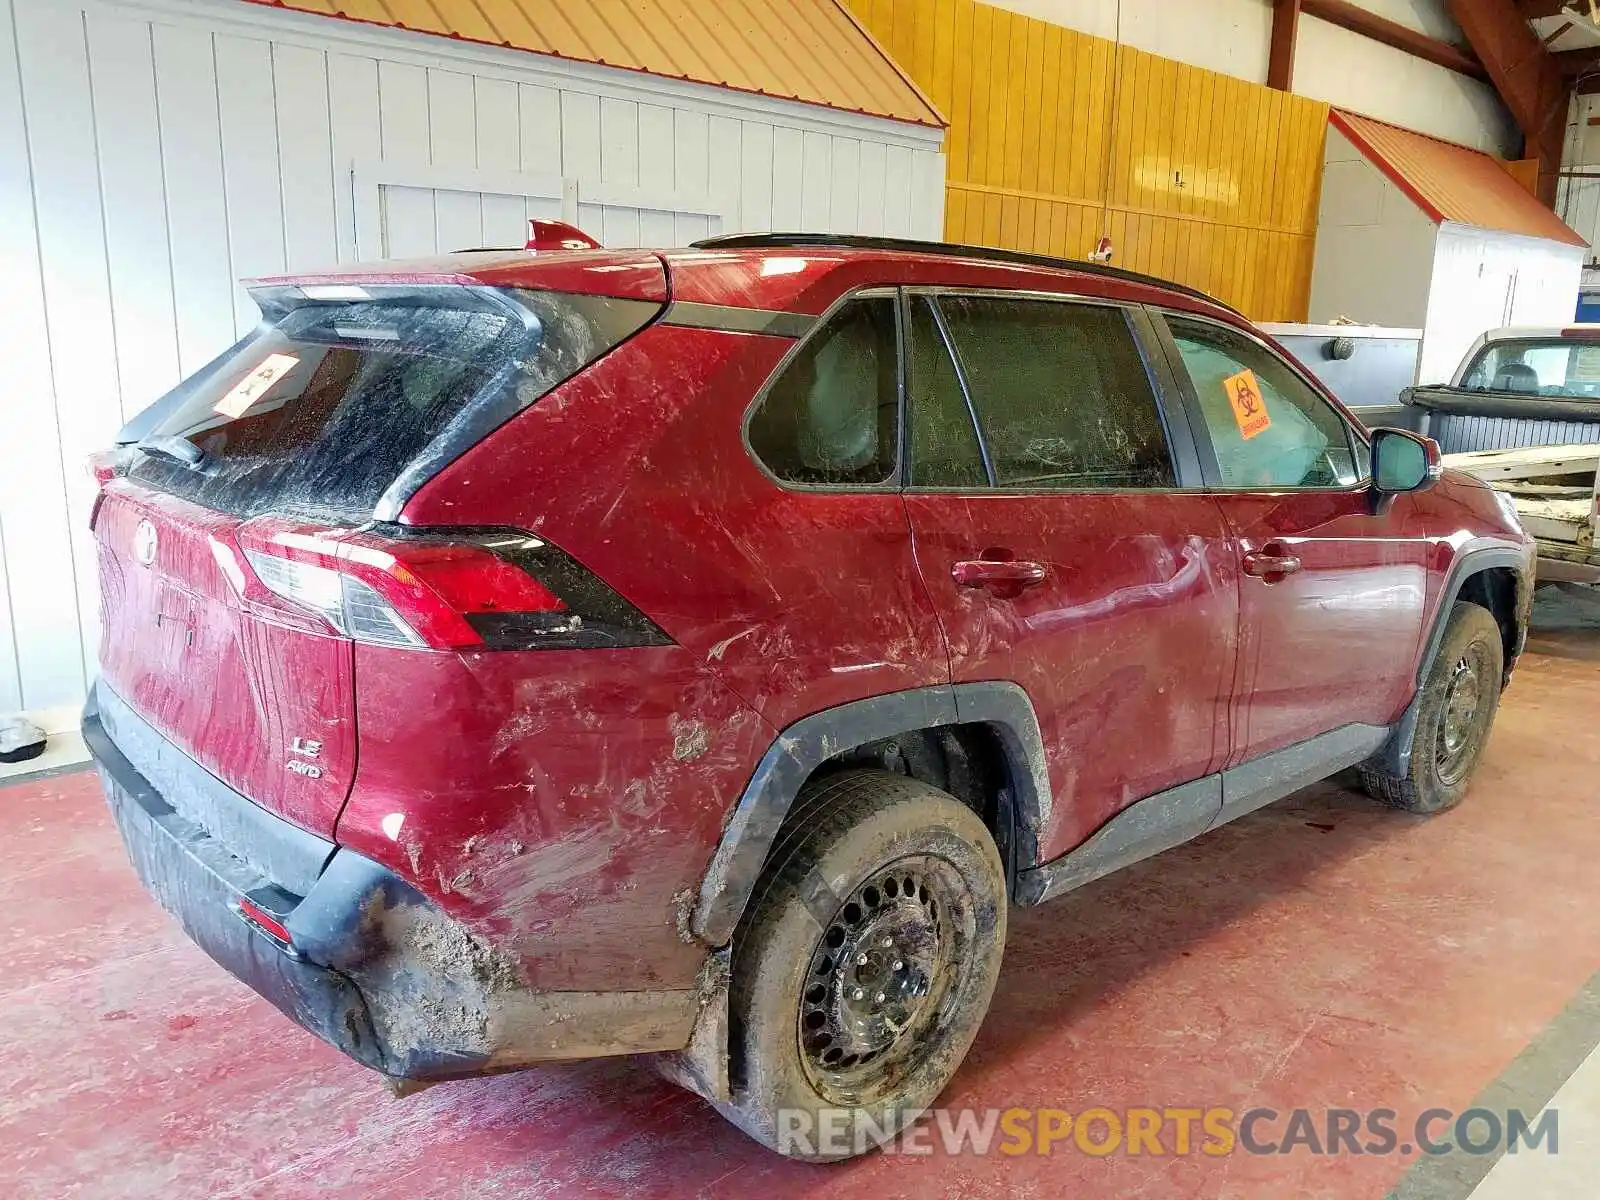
{"x": 415, "y": 214}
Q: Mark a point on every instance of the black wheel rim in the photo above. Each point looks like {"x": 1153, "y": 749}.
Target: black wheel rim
{"x": 1466, "y": 699}
{"x": 881, "y": 983}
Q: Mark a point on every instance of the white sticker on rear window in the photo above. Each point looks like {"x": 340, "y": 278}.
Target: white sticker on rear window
{"x": 255, "y": 385}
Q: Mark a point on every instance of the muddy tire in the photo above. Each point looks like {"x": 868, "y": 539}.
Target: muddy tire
{"x": 1459, "y": 701}
{"x": 864, "y": 965}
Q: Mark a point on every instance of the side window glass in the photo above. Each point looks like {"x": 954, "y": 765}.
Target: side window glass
{"x": 944, "y": 444}
{"x": 1268, "y": 428}
{"x": 1062, "y": 394}
{"x": 832, "y": 416}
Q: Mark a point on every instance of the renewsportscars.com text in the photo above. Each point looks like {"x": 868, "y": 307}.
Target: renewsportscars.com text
{"x": 1100, "y": 1132}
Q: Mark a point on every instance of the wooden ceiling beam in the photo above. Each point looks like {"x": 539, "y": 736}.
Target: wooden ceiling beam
{"x": 1527, "y": 76}
{"x": 1280, "y": 57}
{"x": 1532, "y": 10}
{"x": 1391, "y": 33}
{"x": 1572, "y": 63}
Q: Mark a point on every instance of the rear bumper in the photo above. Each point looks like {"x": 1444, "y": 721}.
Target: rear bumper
{"x": 201, "y": 883}
{"x": 374, "y": 969}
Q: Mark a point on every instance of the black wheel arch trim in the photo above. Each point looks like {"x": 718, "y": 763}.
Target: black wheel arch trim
{"x": 803, "y": 746}
{"x": 1394, "y": 758}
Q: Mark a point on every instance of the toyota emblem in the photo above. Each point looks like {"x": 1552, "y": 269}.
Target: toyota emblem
{"x": 144, "y": 543}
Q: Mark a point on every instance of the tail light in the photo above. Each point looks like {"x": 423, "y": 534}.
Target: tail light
{"x": 104, "y": 466}
{"x": 434, "y": 589}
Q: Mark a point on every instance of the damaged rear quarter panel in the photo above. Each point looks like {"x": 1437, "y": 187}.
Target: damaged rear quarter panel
{"x": 798, "y": 600}
{"x": 564, "y": 804}
{"x": 554, "y": 802}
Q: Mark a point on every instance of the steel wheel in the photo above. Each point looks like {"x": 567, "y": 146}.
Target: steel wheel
{"x": 1456, "y": 707}
{"x": 863, "y": 969}
{"x": 879, "y": 981}
{"x": 1456, "y": 741}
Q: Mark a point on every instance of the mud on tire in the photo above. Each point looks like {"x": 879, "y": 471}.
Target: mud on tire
{"x": 1458, "y": 703}
{"x": 864, "y": 965}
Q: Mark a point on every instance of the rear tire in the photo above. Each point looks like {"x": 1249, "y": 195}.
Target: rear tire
{"x": 1458, "y": 704}
{"x": 865, "y": 964}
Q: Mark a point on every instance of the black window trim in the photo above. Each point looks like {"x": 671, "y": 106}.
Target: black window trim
{"x": 960, "y": 368}
{"x": 896, "y": 481}
{"x": 1171, "y": 402}
{"x": 1210, "y": 467}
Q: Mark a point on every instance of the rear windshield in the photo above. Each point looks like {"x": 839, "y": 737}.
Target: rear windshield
{"x": 346, "y": 405}
{"x": 1566, "y": 369}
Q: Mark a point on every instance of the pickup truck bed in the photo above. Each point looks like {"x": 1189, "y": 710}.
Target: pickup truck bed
{"x": 1463, "y": 420}
{"x": 1555, "y": 491}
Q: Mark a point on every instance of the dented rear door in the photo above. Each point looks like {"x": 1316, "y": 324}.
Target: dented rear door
{"x": 1084, "y": 571}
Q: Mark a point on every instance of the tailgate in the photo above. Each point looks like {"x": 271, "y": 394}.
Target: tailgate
{"x": 342, "y": 403}
{"x": 266, "y": 707}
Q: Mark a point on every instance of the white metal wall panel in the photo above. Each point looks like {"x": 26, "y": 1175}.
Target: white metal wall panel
{"x": 35, "y": 642}
{"x": 53, "y": 53}
{"x": 1483, "y": 280}
{"x": 153, "y": 152}
{"x": 1374, "y": 246}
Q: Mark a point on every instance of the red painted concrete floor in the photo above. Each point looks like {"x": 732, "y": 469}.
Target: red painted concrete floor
{"x": 1323, "y": 952}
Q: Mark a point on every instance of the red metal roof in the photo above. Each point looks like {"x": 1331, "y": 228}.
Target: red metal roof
{"x": 809, "y": 50}
{"x": 1451, "y": 182}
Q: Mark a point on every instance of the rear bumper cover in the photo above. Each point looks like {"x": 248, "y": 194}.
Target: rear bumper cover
{"x": 200, "y": 881}
{"x": 375, "y": 969}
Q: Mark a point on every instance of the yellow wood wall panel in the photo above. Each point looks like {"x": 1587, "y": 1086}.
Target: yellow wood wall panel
{"x": 1072, "y": 121}
{"x": 1027, "y": 98}
{"x": 1251, "y": 161}
{"x": 971, "y": 167}
{"x": 1014, "y": 88}
{"x": 1049, "y": 110}
{"x": 1288, "y": 168}
{"x": 1057, "y": 138}
{"x": 959, "y": 103}
{"x": 1035, "y": 103}
{"x": 999, "y": 110}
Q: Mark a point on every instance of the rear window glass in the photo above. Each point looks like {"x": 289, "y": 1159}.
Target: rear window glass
{"x": 331, "y": 404}
{"x": 1567, "y": 370}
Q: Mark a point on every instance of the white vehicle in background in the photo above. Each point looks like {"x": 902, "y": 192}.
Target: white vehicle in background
{"x": 1522, "y": 413}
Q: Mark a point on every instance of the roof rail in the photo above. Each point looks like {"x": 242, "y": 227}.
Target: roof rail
{"x": 757, "y": 241}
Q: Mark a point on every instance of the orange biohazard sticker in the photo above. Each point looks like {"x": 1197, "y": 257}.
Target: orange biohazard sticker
{"x": 1249, "y": 407}
{"x": 255, "y": 385}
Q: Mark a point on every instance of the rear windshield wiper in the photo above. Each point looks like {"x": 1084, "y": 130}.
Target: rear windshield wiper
{"x": 179, "y": 448}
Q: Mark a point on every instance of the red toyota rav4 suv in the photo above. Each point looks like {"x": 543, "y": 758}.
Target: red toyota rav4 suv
{"x": 530, "y": 656}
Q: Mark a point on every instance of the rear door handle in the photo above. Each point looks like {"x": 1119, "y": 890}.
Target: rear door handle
{"x": 1272, "y": 563}
{"x": 991, "y": 573}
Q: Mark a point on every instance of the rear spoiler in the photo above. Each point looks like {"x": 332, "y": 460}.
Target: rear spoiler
{"x": 142, "y": 422}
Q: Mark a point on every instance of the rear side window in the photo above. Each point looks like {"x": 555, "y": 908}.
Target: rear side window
{"x": 944, "y": 444}
{"x": 1061, "y": 392}
{"x": 832, "y": 414}
{"x": 330, "y": 404}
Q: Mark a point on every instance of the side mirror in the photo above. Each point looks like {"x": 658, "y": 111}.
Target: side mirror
{"x": 1403, "y": 461}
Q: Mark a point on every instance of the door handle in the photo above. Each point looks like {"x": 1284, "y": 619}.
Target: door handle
{"x": 1271, "y": 563}
{"x": 992, "y": 573}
